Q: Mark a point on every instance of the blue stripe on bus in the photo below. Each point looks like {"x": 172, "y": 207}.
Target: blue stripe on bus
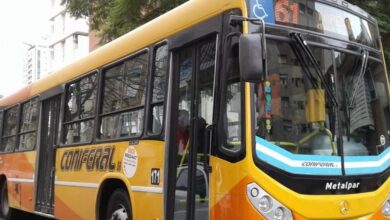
{"x": 368, "y": 158}
{"x": 298, "y": 170}
{"x": 299, "y": 157}
{"x": 318, "y": 158}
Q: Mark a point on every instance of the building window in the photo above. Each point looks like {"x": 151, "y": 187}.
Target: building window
{"x": 38, "y": 64}
{"x": 159, "y": 79}
{"x": 29, "y": 123}
{"x": 75, "y": 42}
{"x": 8, "y": 138}
{"x": 80, "y": 110}
{"x": 63, "y": 19}
{"x": 63, "y": 51}
{"x": 52, "y": 26}
{"x": 124, "y": 99}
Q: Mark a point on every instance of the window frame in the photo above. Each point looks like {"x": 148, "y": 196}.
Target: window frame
{"x": 92, "y": 118}
{"x": 17, "y": 107}
{"x": 20, "y": 118}
{"x": 150, "y": 103}
{"x": 100, "y": 115}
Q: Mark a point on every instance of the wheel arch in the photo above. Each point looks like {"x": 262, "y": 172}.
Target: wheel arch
{"x": 107, "y": 186}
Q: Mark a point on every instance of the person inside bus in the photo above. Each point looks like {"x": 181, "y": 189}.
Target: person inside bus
{"x": 183, "y": 130}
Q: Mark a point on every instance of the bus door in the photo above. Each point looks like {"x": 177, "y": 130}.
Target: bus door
{"x": 194, "y": 70}
{"x": 46, "y": 161}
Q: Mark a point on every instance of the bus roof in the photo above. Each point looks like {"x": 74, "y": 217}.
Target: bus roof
{"x": 154, "y": 31}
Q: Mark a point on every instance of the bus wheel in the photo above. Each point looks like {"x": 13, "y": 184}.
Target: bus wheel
{"x": 118, "y": 207}
{"x": 5, "y": 210}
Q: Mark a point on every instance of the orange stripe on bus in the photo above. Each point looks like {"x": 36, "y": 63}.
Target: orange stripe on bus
{"x": 235, "y": 204}
{"x": 62, "y": 211}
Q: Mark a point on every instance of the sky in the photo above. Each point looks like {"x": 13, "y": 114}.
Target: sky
{"x": 22, "y": 22}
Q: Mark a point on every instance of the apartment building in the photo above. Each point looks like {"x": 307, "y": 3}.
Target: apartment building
{"x": 35, "y": 63}
{"x": 68, "y": 37}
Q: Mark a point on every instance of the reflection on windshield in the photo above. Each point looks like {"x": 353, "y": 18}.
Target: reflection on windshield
{"x": 298, "y": 116}
{"x": 319, "y": 17}
{"x": 293, "y": 123}
{"x": 366, "y": 125}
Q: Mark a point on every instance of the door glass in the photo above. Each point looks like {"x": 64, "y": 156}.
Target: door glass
{"x": 183, "y": 131}
{"x": 196, "y": 69}
{"x": 205, "y": 106}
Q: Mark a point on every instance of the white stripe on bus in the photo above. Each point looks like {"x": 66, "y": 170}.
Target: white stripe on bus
{"x": 21, "y": 180}
{"x": 95, "y": 185}
{"x": 77, "y": 184}
{"x": 147, "y": 189}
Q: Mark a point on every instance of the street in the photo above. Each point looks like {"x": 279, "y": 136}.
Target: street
{"x": 20, "y": 215}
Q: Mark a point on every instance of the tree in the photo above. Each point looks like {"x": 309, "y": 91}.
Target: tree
{"x": 113, "y": 18}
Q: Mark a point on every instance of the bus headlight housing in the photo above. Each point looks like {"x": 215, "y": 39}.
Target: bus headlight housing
{"x": 264, "y": 203}
{"x": 386, "y": 207}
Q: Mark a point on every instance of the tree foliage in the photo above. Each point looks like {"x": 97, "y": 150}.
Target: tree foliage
{"x": 113, "y": 18}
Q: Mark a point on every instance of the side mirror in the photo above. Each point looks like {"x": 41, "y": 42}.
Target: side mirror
{"x": 251, "y": 57}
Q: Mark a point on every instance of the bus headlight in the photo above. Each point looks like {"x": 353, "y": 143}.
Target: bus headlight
{"x": 386, "y": 207}
{"x": 264, "y": 203}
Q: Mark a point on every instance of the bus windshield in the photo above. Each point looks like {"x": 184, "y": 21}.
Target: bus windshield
{"x": 319, "y": 17}
{"x": 296, "y": 116}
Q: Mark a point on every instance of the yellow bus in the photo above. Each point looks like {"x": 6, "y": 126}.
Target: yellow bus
{"x": 223, "y": 109}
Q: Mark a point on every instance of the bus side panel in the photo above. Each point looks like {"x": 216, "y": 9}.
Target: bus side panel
{"x": 26, "y": 169}
{"x": 78, "y": 172}
{"x": 75, "y": 202}
{"x": 19, "y": 171}
{"x": 81, "y": 170}
{"x": 147, "y": 180}
{"x": 8, "y": 170}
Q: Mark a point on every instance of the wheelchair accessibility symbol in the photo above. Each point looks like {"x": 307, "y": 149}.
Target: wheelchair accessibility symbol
{"x": 259, "y": 11}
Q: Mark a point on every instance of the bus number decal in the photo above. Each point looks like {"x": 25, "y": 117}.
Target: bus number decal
{"x": 93, "y": 159}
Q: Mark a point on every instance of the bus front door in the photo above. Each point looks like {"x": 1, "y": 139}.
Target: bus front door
{"x": 46, "y": 161}
{"x": 194, "y": 73}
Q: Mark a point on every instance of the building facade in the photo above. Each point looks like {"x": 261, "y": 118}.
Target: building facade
{"x": 68, "y": 37}
{"x": 35, "y": 63}
{"x": 67, "y": 40}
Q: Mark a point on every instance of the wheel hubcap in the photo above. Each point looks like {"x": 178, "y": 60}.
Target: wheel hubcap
{"x": 119, "y": 214}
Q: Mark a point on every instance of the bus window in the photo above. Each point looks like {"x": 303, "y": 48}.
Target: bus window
{"x": 29, "y": 122}
{"x": 232, "y": 119}
{"x": 80, "y": 110}
{"x": 9, "y": 130}
{"x": 124, "y": 99}
{"x": 159, "y": 78}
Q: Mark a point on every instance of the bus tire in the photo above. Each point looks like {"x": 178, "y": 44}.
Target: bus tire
{"x": 5, "y": 210}
{"x": 119, "y": 207}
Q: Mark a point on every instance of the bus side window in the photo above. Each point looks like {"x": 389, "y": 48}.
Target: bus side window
{"x": 8, "y": 139}
{"x": 159, "y": 79}
{"x": 29, "y": 123}
{"x": 232, "y": 105}
{"x": 80, "y": 110}
{"x": 124, "y": 99}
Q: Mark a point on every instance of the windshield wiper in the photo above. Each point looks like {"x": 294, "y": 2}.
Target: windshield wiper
{"x": 302, "y": 45}
{"x": 363, "y": 70}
